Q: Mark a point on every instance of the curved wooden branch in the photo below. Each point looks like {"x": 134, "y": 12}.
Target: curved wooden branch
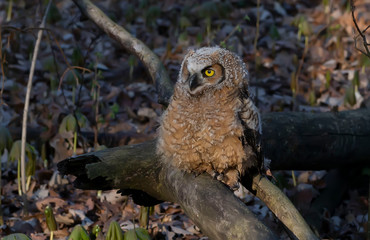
{"x": 282, "y": 207}
{"x": 134, "y": 46}
{"x": 208, "y": 202}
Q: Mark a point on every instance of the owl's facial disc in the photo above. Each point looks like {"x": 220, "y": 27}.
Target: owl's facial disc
{"x": 206, "y": 78}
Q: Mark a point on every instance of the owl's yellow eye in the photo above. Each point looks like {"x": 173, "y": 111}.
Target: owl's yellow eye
{"x": 209, "y": 72}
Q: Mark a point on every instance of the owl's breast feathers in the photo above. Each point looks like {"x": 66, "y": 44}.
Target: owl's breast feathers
{"x": 209, "y": 133}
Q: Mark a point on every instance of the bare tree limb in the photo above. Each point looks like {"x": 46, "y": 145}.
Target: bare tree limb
{"x": 27, "y": 100}
{"x": 361, "y": 33}
{"x": 208, "y": 202}
{"x": 134, "y": 46}
{"x": 282, "y": 207}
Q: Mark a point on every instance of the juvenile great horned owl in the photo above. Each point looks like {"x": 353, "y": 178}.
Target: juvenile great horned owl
{"x": 211, "y": 125}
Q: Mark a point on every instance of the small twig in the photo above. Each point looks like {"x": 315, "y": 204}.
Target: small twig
{"x": 305, "y": 50}
{"x": 236, "y": 28}
{"x": 2, "y": 61}
{"x": 257, "y": 27}
{"x": 27, "y": 100}
{"x": 9, "y": 11}
{"x": 71, "y": 68}
{"x": 256, "y": 54}
{"x": 78, "y": 103}
{"x": 282, "y": 207}
{"x": 56, "y": 65}
{"x": 361, "y": 33}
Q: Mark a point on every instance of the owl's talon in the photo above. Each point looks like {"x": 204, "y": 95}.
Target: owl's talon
{"x": 220, "y": 177}
{"x": 235, "y": 186}
{"x": 214, "y": 174}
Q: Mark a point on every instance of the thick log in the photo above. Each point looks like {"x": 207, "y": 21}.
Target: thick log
{"x": 208, "y": 202}
{"x": 316, "y": 141}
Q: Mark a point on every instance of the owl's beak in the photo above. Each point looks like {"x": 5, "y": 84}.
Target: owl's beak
{"x": 193, "y": 82}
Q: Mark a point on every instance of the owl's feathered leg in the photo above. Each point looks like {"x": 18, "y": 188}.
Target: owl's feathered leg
{"x": 231, "y": 178}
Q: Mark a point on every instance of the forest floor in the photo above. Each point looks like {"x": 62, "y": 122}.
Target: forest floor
{"x": 303, "y": 60}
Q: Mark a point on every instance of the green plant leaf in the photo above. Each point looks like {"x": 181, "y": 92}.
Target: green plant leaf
{"x": 137, "y": 234}
{"x": 304, "y": 27}
{"x": 327, "y": 78}
{"x": 312, "y": 98}
{"x": 350, "y": 96}
{"x": 356, "y": 79}
{"x": 16, "y": 236}
{"x": 79, "y": 233}
{"x": 114, "y": 232}
{"x": 130, "y": 235}
{"x": 82, "y": 119}
{"x": 53, "y": 14}
{"x": 31, "y": 166}
{"x": 15, "y": 152}
{"x": 96, "y": 230}
{"x": 114, "y": 110}
{"x": 145, "y": 212}
{"x": 293, "y": 84}
{"x": 184, "y": 22}
{"x": 142, "y": 234}
{"x": 68, "y": 124}
{"x": 274, "y": 33}
{"x": 50, "y": 219}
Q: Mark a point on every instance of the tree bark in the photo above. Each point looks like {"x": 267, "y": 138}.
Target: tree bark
{"x": 208, "y": 202}
{"x": 216, "y": 210}
{"x": 316, "y": 141}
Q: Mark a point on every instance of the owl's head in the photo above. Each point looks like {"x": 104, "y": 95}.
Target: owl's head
{"x": 212, "y": 68}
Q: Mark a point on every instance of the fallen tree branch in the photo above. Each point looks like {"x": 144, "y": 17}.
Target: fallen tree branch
{"x": 134, "y": 46}
{"x": 27, "y": 101}
{"x": 316, "y": 141}
{"x": 208, "y": 202}
{"x": 137, "y": 167}
{"x": 361, "y": 34}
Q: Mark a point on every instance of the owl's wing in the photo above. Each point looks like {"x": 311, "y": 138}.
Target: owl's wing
{"x": 251, "y": 121}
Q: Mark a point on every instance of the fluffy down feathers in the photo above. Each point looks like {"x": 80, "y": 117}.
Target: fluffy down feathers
{"x": 211, "y": 125}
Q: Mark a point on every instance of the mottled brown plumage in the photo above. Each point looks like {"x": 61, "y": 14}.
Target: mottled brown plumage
{"x": 211, "y": 125}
